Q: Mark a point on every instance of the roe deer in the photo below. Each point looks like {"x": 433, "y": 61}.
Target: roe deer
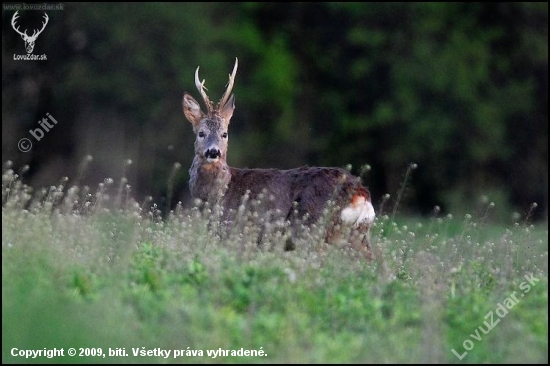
{"x": 302, "y": 192}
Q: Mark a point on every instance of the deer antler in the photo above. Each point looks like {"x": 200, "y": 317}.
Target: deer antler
{"x": 229, "y": 88}
{"x": 25, "y": 36}
{"x": 13, "y": 19}
{"x": 202, "y": 89}
{"x": 43, "y": 26}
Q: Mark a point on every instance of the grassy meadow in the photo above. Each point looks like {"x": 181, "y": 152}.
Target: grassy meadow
{"x": 93, "y": 270}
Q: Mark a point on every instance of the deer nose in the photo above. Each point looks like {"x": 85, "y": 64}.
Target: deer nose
{"x": 212, "y": 153}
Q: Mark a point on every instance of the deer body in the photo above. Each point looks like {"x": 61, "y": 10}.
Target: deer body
{"x": 300, "y": 193}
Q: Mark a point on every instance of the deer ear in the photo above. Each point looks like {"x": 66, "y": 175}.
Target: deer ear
{"x": 191, "y": 109}
{"x": 226, "y": 111}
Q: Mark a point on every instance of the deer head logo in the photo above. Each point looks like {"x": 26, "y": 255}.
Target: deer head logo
{"x": 29, "y": 40}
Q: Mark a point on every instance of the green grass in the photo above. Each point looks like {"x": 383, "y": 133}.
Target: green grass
{"x": 83, "y": 276}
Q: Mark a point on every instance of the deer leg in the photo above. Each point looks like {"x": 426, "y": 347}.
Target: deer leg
{"x": 290, "y": 243}
{"x": 360, "y": 240}
{"x": 295, "y": 216}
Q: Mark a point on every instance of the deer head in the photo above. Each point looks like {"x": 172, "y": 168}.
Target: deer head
{"x": 29, "y": 40}
{"x": 210, "y": 127}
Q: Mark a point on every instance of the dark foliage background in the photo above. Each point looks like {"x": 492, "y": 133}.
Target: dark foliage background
{"x": 461, "y": 89}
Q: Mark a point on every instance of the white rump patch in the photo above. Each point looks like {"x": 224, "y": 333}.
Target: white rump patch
{"x": 358, "y": 212}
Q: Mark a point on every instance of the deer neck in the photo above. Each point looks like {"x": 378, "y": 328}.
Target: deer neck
{"x": 209, "y": 181}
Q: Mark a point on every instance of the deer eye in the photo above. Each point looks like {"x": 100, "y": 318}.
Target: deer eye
{"x": 201, "y": 134}
{"x": 224, "y": 135}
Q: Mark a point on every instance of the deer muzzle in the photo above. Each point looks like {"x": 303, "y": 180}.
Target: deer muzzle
{"x": 212, "y": 155}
